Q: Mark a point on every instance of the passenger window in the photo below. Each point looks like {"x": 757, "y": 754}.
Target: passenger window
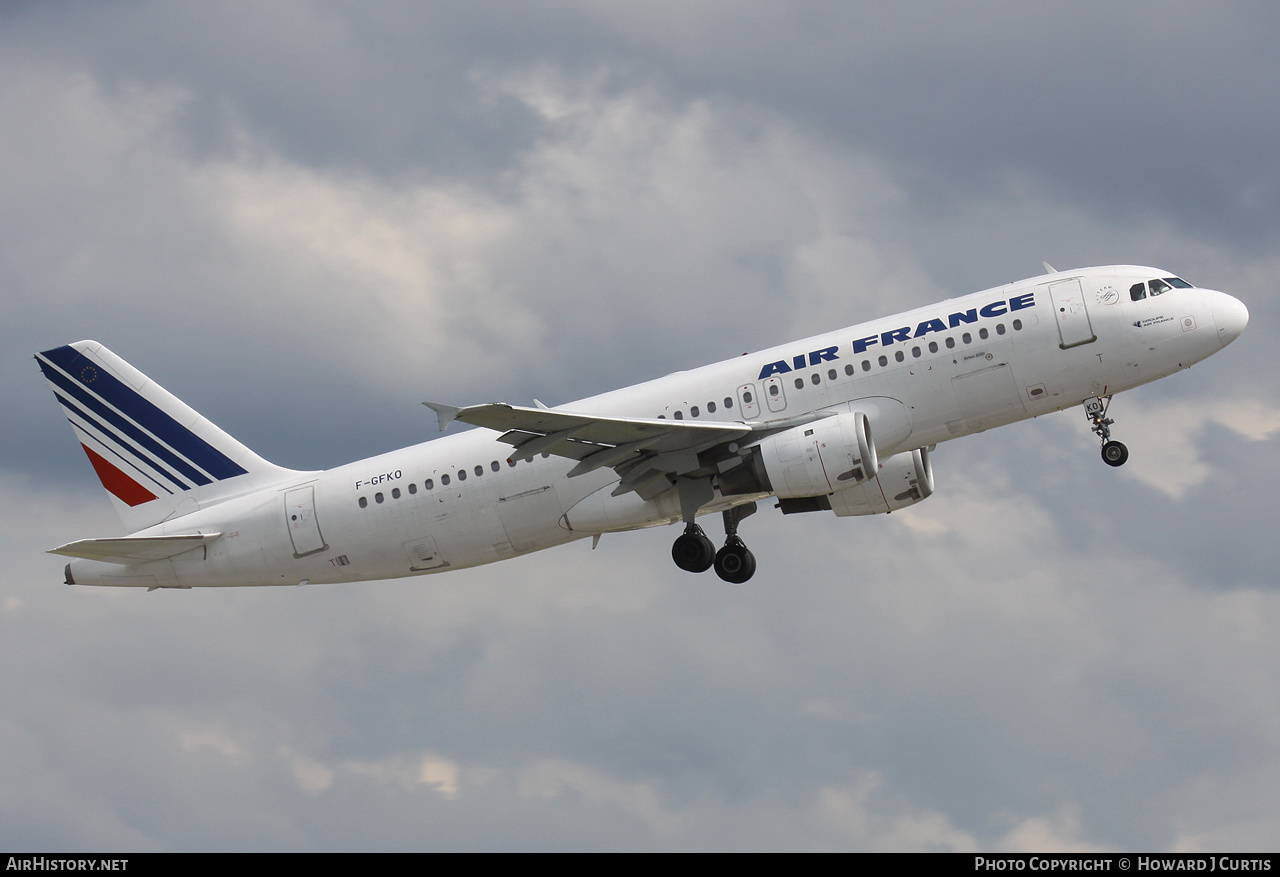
{"x": 933, "y": 346}
{"x": 899, "y": 356}
{"x": 364, "y": 502}
{"x": 999, "y": 328}
{"x": 444, "y": 480}
{"x": 377, "y": 497}
{"x": 495, "y": 466}
{"x": 728, "y": 401}
{"x": 462, "y": 474}
{"x": 799, "y": 383}
{"x": 883, "y": 360}
{"x": 815, "y": 379}
{"x": 511, "y": 462}
{"x": 479, "y": 471}
{"x": 866, "y": 365}
{"x": 831, "y": 374}
{"x": 773, "y": 389}
{"x": 711, "y": 408}
{"x": 1138, "y": 291}
{"x": 693, "y": 412}
{"x": 983, "y": 333}
{"x": 429, "y": 484}
{"x": 679, "y": 415}
{"x": 413, "y": 487}
{"x": 950, "y": 342}
{"x": 966, "y": 338}
{"x": 848, "y": 369}
{"x": 1017, "y": 325}
{"x": 395, "y": 493}
{"x": 915, "y": 352}
{"x": 746, "y": 397}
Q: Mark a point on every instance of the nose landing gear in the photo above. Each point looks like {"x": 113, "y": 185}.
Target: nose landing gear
{"x": 1113, "y": 453}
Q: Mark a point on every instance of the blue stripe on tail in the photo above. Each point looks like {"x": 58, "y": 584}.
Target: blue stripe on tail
{"x": 92, "y": 386}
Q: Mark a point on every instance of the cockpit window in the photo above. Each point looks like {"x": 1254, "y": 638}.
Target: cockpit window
{"x": 1138, "y": 291}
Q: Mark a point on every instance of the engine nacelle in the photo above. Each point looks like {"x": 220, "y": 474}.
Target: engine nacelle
{"x": 904, "y": 480}
{"x": 821, "y": 457}
{"x": 811, "y": 460}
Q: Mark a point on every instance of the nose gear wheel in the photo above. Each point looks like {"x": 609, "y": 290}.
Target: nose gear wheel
{"x": 1113, "y": 453}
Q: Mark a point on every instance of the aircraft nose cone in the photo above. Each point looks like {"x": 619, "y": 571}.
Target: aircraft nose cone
{"x": 1230, "y": 316}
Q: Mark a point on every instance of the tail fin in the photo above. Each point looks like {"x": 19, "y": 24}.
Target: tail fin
{"x": 157, "y": 457}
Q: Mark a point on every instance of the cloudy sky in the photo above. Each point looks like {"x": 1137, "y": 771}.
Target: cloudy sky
{"x": 303, "y": 218}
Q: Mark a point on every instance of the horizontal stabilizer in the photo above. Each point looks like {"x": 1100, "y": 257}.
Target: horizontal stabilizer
{"x": 134, "y": 549}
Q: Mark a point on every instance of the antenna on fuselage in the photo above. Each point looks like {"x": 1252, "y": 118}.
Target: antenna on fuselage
{"x": 1049, "y": 269}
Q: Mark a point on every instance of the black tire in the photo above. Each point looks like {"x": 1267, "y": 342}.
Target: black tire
{"x": 1114, "y": 453}
{"x": 735, "y": 564}
{"x": 693, "y": 552}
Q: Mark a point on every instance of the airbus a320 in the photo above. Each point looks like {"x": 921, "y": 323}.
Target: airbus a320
{"x": 841, "y": 423}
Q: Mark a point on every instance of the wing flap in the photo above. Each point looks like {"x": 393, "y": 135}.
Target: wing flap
{"x": 134, "y": 549}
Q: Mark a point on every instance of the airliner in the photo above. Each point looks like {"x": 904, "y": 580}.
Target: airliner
{"x": 843, "y": 423}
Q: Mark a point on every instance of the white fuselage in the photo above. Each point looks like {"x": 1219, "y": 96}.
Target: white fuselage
{"x": 958, "y": 367}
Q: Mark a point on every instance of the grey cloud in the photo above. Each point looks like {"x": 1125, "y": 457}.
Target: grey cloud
{"x": 305, "y": 218}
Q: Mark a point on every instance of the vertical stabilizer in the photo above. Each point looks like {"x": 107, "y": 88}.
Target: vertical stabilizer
{"x": 157, "y": 457}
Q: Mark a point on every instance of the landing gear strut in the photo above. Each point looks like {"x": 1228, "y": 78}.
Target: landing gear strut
{"x": 1113, "y": 453}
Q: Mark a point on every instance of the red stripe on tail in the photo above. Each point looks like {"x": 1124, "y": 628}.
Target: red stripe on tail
{"x": 129, "y": 491}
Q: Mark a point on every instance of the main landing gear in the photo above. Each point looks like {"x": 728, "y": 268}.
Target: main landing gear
{"x": 694, "y": 552}
{"x": 1113, "y": 453}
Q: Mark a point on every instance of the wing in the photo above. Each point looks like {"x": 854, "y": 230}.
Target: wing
{"x": 646, "y": 454}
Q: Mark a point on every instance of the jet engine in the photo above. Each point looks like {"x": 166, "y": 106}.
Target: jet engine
{"x": 904, "y": 480}
{"x": 825, "y": 456}
{"x": 811, "y": 460}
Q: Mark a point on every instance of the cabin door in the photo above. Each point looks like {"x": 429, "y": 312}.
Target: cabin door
{"x": 1069, "y": 308}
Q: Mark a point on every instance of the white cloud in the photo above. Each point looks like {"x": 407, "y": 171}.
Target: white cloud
{"x": 1169, "y": 436}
